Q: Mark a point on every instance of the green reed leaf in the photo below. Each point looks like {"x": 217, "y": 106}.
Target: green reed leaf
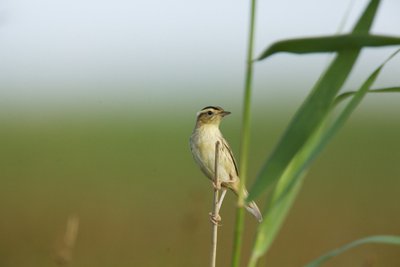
{"x": 325, "y": 44}
{"x": 292, "y": 178}
{"x": 327, "y": 130}
{"x": 381, "y": 239}
{"x": 346, "y": 95}
{"x": 286, "y": 166}
{"x": 313, "y": 110}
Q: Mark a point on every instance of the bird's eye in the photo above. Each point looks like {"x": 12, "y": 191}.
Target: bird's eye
{"x": 210, "y": 113}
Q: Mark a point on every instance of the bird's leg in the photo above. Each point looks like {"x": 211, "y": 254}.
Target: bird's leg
{"x": 214, "y": 217}
{"x": 219, "y": 204}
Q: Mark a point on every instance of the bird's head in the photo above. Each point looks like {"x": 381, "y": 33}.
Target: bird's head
{"x": 211, "y": 115}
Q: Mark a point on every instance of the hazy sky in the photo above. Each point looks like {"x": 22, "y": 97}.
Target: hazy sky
{"x": 59, "y": 51}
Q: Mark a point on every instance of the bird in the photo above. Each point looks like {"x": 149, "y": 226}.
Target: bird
{"x": 205, "y": 135}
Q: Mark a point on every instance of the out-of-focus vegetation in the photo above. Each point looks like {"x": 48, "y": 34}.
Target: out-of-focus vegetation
{"x": 142, "y": 202}
{"x": 310, "y": 130}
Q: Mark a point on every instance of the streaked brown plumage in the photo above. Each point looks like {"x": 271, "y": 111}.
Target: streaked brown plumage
{"x": 202, "y": 144}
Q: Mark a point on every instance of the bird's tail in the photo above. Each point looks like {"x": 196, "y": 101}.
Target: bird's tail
{"x": 251, "y": 206}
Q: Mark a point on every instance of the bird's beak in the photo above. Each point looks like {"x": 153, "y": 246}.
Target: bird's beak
{"x": 225, "y": 113}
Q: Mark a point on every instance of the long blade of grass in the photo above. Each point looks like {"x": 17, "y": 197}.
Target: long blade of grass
{"x": 325, "y": 44}
{"x": 313, "y": 110}
{"x": 321, "y": 138}
{"x": 382, "y": 239}
{"x": 291, "y": 179}
{"x": 273, "y": 220}
{"x": 346, "y": 95}
{"x": 283, "y": 196}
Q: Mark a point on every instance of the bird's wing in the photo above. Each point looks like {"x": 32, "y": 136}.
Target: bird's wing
{"x": 226, "y": 147}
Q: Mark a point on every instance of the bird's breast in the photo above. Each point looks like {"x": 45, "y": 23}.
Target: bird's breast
{"x": 203, "y": 148}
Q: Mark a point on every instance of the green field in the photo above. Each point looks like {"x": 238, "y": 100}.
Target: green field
{"x": 142, "y": 201}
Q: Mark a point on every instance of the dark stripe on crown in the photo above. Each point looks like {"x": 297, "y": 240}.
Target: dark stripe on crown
{"x": 212, "y": 107}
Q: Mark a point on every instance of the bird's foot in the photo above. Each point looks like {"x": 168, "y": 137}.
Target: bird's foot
{"x": 215, "y": 218}
{"x": 217, "y": 186}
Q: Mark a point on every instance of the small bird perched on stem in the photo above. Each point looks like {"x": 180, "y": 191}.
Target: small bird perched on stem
{"x": 202, "y": 144}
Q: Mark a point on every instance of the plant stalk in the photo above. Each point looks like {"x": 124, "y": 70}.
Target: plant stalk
{"x": 245, "y": 140}
{"x": 215, "y": 212}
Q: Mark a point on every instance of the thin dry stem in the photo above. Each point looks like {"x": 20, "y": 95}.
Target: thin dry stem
{"x": 215, "y": 218}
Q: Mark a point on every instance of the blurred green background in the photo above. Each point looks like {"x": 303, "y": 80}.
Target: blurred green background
{"x": 97, "y": 103}
{"x": 142, "y": 201}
